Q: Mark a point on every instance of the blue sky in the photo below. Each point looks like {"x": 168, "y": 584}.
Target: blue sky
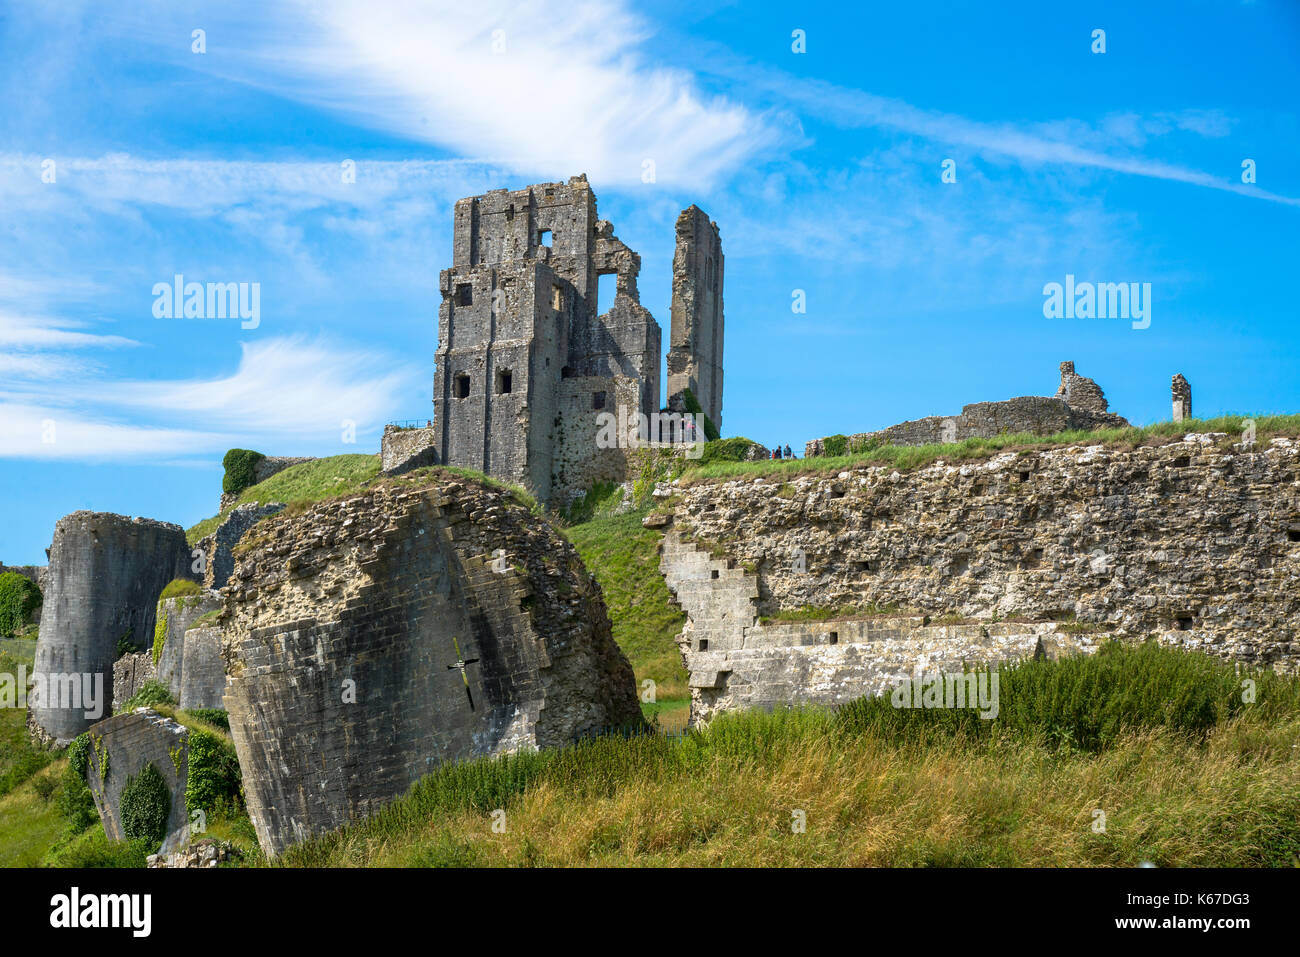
{"x": 822, "y": 169}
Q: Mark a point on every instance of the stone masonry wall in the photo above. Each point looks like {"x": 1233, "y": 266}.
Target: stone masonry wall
{"x": 203, "y": 677}
{"x": 217, "y": 548}
{"x": 1194, "y": 542}
{"x": 345, "y": 632}
{"x": 402, "y": 450}
{"x": 130, "y": 741}
{"x": 105, "y": 574}
{"x": 179, "y": 615}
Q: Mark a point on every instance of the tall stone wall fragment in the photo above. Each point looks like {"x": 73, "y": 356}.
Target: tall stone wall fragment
{"x": 695, "y": 350}
{"x": 1182, "y": 395}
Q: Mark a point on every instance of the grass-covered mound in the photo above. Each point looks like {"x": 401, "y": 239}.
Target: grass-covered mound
{"x": 904, "y": 457}
{"x": 301, "y": 484}
{"x": 1184, "y": 778}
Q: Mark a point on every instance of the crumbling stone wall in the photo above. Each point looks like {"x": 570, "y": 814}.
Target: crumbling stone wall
{"x": 217, "y": 548}
{"x": 695, "y": 353}
{"x": 522, "y": 334}
{"x": 736, "y": 660}
{"x": 1194, "y": 542}
{"x": 345, "y": 632}
{"x": 402, "y": 450}
{"x": 105, "y": 574}
{"x": 120, "y": 748}
{"x": 131, "y": 673}
{"x": 1182, "y": 396}
{"x": 1078, "y": 404}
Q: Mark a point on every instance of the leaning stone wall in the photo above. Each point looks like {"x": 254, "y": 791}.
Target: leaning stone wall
{"x": 343, "y": 631}
{"x": 105, "y": 575}
{"x": 1194, "y": 542}
{"x": 120, "y": 747}
{"x": 177, "y": 616}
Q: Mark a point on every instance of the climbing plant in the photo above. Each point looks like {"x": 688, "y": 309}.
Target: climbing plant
{"x": 146, "y": 805}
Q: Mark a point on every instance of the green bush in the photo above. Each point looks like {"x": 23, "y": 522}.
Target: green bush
{"x": 239, "y": 464}
{"x": 1085, "y": 702}
{"x": 693, "y": 406}
{"x": 125, "y": 645}
{"x": 146, "y": 805}
{"x": 19, "y": 597}
{"x": 835, "y": 445}
{"x": 214, "y": 779}
{"x": 150, "y": 695}
{"x": 76, "y": 803}
{"x": 727, "y": 450}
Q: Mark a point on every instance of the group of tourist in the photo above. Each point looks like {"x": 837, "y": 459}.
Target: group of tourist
{"x": 778, "y": 453}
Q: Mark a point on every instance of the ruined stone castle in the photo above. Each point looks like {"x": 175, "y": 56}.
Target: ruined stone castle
{"x": 528, "y": 356}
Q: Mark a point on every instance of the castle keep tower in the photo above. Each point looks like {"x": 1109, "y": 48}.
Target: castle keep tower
{"x": 528, "y": 357}
{"x": 695, "y": 356}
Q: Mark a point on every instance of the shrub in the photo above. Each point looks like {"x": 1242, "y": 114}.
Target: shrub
{"x": 146, "y": 805}
{"x": 150, "y": 695}
{"x": 125, "y": 646}
{"x": 735, "y": 449}
{"x": 19, "y": 597}
{"x": 76, "y": 803}
{"x": 834, "y": 445}
{"x": 693, "y": 406}
{"x": 214, "y": 779}
{"x": 240, "y": 465}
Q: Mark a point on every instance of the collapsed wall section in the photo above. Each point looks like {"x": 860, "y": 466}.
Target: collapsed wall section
{"x": 372, "y": 639}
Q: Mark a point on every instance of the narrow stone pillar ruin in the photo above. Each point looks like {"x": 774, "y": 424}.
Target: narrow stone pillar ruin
{"x": 1182, "y": 393}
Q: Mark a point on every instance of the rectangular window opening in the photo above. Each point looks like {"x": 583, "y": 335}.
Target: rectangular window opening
{"x": 464, "y": 294}
{"x": 462, "y": 386}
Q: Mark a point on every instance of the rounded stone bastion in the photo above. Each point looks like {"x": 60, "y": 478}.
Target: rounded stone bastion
{"x": 429, "y": 619}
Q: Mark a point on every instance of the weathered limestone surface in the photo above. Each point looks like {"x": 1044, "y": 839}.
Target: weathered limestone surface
{"x": 695, "y": 350}
{"x": 105, "y": 574}
{"x": 345, "y": 627}
{"x": 217, "y": 547}
{"x": 131, "y": 741}
{"x": 1182, "y": 396}
{"x": 130, "y": 674}
{"x": 179, "y": 615}
{"x": 1078, "y": 404}
{"x": 203, "y": 677}
{"x": 1194, "y": 542}
{"x": 402, "y": 450}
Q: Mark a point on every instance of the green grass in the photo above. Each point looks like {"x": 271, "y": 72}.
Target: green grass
{"x": 624, "y": 558}
{"x": 300, "y": 484}
{"x": 904, "y": 457}
{"x": 1180, "y": 785}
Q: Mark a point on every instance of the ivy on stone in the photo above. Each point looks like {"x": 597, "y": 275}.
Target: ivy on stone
{"x": 146, "y": 804}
